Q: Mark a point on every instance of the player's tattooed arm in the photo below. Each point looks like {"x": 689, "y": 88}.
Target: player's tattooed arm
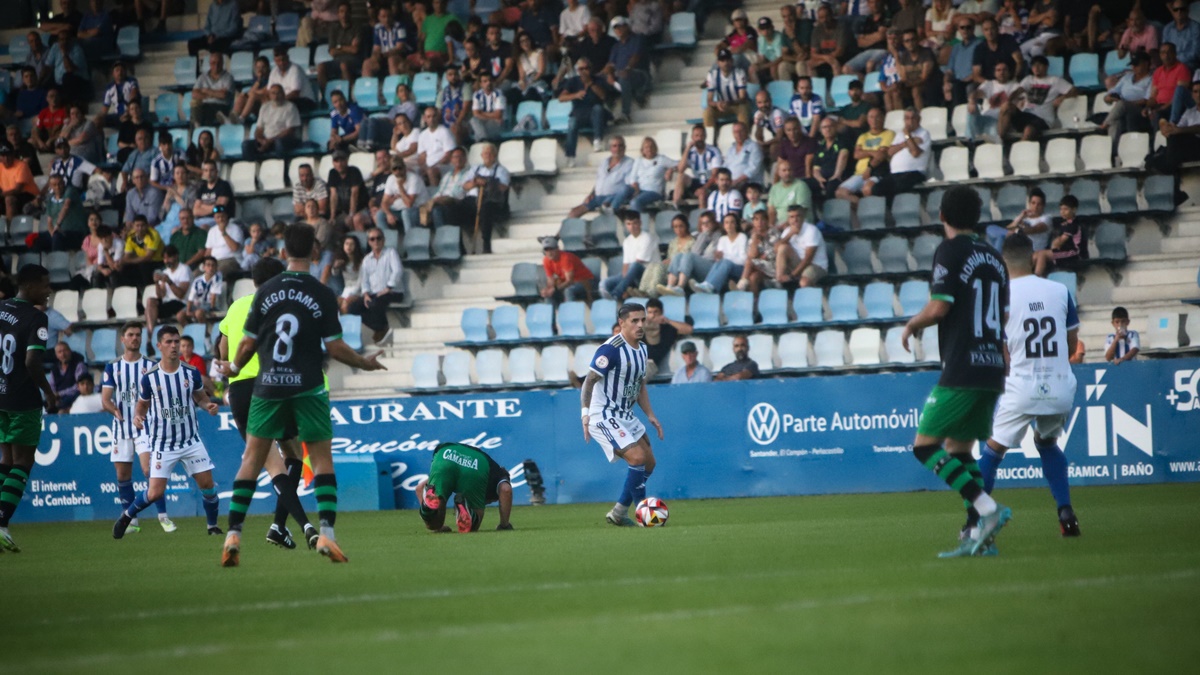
{"x": 585, "y": 399}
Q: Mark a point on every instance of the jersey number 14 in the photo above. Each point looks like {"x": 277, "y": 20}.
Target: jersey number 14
{"x": 987, "y": 308}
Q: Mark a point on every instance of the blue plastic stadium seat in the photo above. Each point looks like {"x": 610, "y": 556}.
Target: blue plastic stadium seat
{"x": 558, "y": 114}
{"x": 425, "y": 88}
{"x": 129, "y": 42}
{"x": 229, "y": 139}
{"x": 843, "y": 303}
{"x": 198, "y": 333}
{"x": 319, "y": 129}
{"x": 185, "y": 71}
{"x": 352, "y": 331}
{"x": 682, "y": 29}
{"x": 388, "y": 88}
{"x": 525, "y": 278}
{"x": 772, "y": 304}
{"x": 839, "y": 90}
{"x": 539, "y": 320}
{"x": 877, "y": 298}
{"x": 913, "y": 297}
{"x": 475, "y": 324}
{"x": 104, "y": 344}
{"x": 1085, "y": 71}
{"x": 527, "y": 109}
{"x": 705, "y": 309}
{"x": 674, "y": 307}
{"x": 366, "y": 92}
{"x": 604, "y": 315}
{"x": 781, "y": 93}
{"x": 166, "y": 107}
{"x": 506, "y": 322}
{"x": 806, "y": 304}
{"x": 739, "y": 308}
{"x": 571, "y": 319}
{"x": 572, "y": 233}
{"x": 447, "y": 243}
{"x": 287, "y": 24}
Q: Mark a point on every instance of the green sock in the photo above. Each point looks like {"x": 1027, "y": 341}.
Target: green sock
{"x": 11, "y": 492}
{"x": 950, "y": 469}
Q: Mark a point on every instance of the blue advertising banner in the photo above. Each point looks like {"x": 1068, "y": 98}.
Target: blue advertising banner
{"x": 1135, "y": 423}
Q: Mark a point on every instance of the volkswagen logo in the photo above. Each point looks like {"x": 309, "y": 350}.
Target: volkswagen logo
{"x": 763, "y": 424}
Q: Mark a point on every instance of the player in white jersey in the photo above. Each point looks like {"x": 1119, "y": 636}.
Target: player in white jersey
{"x": 1042, "y": 329}
{"x": 168, "y": 396}
{"x": 118, "y": 396}
{"x": 615, "y": 382}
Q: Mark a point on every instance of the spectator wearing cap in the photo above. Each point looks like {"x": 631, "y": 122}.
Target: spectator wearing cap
{"x": 852, "y": 118}
{"x": 742, "y": 367}
{"x": 741, "y": 41}
{"x": 770, "y": 50}
{"x": 222, "y": 26}
{"x": 627, "y": 67}
{"x": 74, "y": 169}
{"x": 638, "y": 250}
{"x": 16, "y": 183}
{"x": 587, "y": 93}
{"x": 726, "y": 92}
{"x": 692, "y": 371}
{"x": 612, "y": 176}
{"x": 278, "y": 130}
{"x": 567, "y": 278}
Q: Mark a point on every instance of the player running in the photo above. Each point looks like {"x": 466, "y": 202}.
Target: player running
{"x": 168, "y": 396}
{"x": 475, "y": 480}
{"x": 616, "y": 381}
{"x": 968, "y": 296}
{"x": 285, "y": 467}
{"x": 1042, "y": 329}
{"x": 121, "y": 380}
{"x": 23, "y": 333}
{"x": 291, "y": 316}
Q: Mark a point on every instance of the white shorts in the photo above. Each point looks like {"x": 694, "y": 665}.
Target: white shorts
{"x": 194, "y": 458}
{"x": 125, "y": 449}
{"x": 1009, "y": 425}
{"x": 615, "y": 433}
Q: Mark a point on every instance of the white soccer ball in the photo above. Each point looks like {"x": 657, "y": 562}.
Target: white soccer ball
{"x": 651, "y": 512}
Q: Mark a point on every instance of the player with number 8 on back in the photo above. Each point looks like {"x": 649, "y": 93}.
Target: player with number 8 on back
{"x": 968, "y": 296}
{"x": 292, "y": 315}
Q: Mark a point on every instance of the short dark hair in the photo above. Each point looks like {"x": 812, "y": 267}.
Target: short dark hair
{"x": 1069, "y": 201}
{"x": 336, "y": 92}
{"x": 265, "y": 270}
{"x": 724, "y": 171}
{"x": 281, "y": 50}
{"x": 31, "y": 274}
{"x": 1039, "y": 59}
{"x": 86, "y": 377}
{"x": 1037, "y": 192}
{"x": 135, "y": 325}
{"x": 1120, "y": 313}
{"x": 654, "y": 303}
{"x": 855, "y": 84}
{"x": 1018, "y": 250}
{"x": 298, "y": 240}
{"x": 960, "y": 208}
{"x": 188, "y": 339}
{"x": 629, "y": 308}
{"x": 167, "y": 330}
{"x": 170, "y": 249}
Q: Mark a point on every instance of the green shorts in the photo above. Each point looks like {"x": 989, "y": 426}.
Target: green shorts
{"x": 306, "y": 416}
{"x": 21, "y": 427}
{"x": 961, "y": 414}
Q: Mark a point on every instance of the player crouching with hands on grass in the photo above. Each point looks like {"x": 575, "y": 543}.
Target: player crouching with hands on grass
{"x": 474, "y": 478}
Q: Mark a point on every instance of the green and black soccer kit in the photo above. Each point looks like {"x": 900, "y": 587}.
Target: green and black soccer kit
{"x": 470, "y": 474}
{"x": 291, "y": 317}
{"x": 23, "y": 328}
{"x": 971, "y": 276}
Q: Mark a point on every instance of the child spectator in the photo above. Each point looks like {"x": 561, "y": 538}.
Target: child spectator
{"x": 204, "y": 297}
{"x": 1122, "y": 344}
{"x": 754, "y": 202}
{"x": 1068, "y": 243}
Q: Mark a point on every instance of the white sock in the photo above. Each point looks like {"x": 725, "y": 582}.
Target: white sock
{"x": 162, "y": 517}
{"x": 620, "y": 509}
{"x": 327, "y": 532}
{"x": 984, "y": 504}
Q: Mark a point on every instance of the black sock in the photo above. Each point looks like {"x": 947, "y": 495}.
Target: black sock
{"x": 325, "y": 488}
{"x": 239, "y": 503}
{"x": 11, "y": 491}
{"x": 287, "y": 502}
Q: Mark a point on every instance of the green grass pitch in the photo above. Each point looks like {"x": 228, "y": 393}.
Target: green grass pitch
{"x": 845, "y": 584}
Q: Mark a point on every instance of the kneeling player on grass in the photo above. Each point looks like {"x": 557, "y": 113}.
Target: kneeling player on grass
{"x": 290, "y": 318}
{"x": 166, "y": 410}
{"x": 1042, "y": 329}
{"x": 475, "y": 480}
{"x": 968, "y": 296}
{"x": 23, "y": 332}
{"x": 285, "y": 467}
{"x": 615, "y": 382}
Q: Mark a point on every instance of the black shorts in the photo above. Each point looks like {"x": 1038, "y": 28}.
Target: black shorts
{"x": 170, "y": 308}
{"x": 1021, "y": 120}
{"x": 239, "y": 395}
{"x": 496, "y": 475}
{"x": 898, "y": 183}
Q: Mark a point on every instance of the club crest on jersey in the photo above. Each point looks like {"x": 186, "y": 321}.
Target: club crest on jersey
{"x": 939, "y": 272}
{"x": 602, "y": 361}
{"x": 43, "y": 333}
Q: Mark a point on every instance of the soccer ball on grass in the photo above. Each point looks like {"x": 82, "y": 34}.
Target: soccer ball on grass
{"x": 651, "y": 512}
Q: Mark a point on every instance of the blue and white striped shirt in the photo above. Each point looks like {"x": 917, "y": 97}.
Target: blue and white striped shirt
{"x": 117, "y": 96}
{"x": 388, "y": 39}
{"x": 69, "y": 170}
{"x": 482, "y": 101}
{"x": 162, "y": 169}
{"x": 124, "y": 377}
{"x": 806, "y": 111}
{"x": 704, "y": 162}
{"x": 726, "y": 87}
{"x": 723, "y": 204}
{"x": 171, "y": 421}
{"x": 623, "y": 368}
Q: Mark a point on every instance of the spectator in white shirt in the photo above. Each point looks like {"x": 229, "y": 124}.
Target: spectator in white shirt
{"x": 801, "y": 253}
{"x": 639, "y": 249}
{"x": 647, "y": 179}
{"x": 996, "y": 94}
{"x": 381, "y": 278}
{"x": 224, "y": 243}
{"x": 730, "y": 257}
{"x": 171, "y": 285}
{"x": 296, "y": 86}
{"x": 573, "y": 20}
{"x": 433, "y": 144}
{"x": 88, "y": 400}
{"x": 910, "y": 154}
{"x": 1032, "y": 222}
{"x": 278, "y": 129}
{"x": 611, "y": 177}
{"x": 1035, "y": 109}
{"x": 403, "y": 196}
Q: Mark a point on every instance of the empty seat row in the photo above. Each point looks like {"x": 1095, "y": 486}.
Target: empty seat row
{"x": 1063, "y": 156}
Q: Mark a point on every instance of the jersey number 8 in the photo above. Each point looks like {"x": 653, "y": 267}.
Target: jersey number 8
{"x": 9, "y": 346}
{"x": 286, "y": 328}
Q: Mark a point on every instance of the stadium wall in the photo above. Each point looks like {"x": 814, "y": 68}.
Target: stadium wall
{"x": 1136, "y": 423}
